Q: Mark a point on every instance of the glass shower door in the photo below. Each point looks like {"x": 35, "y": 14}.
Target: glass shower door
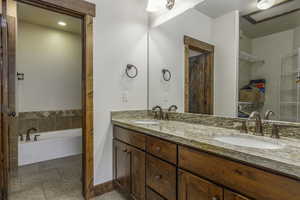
{"x": 290, "y": 88}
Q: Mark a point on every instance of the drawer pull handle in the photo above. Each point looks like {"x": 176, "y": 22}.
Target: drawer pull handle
{"x": 215, "y": 198}
{"x": 157, "y": 149}
{"x": 158, "y": 177}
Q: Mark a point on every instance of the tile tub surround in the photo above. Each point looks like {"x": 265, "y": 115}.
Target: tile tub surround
{"x": 46, "y": 121}
{"x": 194, "y": 134}
{"x": 43, "y": 121}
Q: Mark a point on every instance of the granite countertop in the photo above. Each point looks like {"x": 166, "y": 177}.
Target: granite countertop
{"x": 285, "y": 161}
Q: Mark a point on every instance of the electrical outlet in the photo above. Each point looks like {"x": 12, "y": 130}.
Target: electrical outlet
{"x": 124, "y": 97}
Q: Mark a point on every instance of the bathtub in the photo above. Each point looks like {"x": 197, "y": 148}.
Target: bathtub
{"x": 49, "y": 146}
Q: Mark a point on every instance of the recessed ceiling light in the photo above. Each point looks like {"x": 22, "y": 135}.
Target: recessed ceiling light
{"x": 61, "y": 23}
{"x": 265, "y": 4}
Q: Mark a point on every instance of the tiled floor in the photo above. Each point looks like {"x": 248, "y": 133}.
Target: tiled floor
{"x": 51, "y": 180}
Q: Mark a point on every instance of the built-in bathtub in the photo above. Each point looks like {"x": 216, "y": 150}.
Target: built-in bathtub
{"x": 50, "y": 145}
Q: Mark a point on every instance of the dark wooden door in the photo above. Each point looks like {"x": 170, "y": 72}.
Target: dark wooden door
{"x": 4, "y": 118}
{"x": 191, "y": 187}
{"x": 228, "y": 195}
{"x": 200, "y": 77}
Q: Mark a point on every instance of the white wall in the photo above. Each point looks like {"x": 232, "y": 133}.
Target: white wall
{"x": 166, "y": 50}
{"x": 225, "y": 36}
{"x": 51, "y": 82}
{"x": 120, "y": 37}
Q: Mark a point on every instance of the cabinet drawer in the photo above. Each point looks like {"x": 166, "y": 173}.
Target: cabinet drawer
{"x": 152, "y": 195}
{"x": 161, "y": 177}
{"x": 250, "y": 181}
{"x": 162, "y": 149}
{"x": 228, "y": 195}
{"x": 130, "y": 137}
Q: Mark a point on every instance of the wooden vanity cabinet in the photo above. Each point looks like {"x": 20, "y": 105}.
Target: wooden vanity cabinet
{"x": 129, "y": 170}
{"x": 150, "y": 168}
{"x": 191, "y": 187}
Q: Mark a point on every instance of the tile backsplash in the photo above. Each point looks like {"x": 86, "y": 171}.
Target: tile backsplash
{"x": 45, "y": 121}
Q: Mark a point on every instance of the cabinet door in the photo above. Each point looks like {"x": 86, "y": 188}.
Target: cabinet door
{"x": 122, "y": 173}
{"x": 228, "y": 195}
{"x": 191, "y": 187}
{"x": 137, "y": 168}
{"x": 153, "y": 196}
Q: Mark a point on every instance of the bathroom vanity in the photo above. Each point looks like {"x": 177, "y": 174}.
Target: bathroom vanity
{"x": 163, "y": 161}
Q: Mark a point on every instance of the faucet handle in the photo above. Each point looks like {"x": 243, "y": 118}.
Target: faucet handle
{"x": 155, "y": 114}
{"x": 21, "y": 137}
{"x": 36, "y": 137}
{"x": 244, "y": 128}
{"x": 275, "y": 131}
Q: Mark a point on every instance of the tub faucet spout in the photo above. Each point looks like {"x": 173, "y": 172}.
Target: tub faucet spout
{"x": 28, "y": 133}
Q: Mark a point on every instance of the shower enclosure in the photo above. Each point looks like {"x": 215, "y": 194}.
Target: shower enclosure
{"x": 290, "y": 88}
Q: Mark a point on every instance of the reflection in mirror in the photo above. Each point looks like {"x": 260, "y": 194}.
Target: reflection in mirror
{"x": 269, "y": 69}
{"x": 198, "y": 76}
{"x": 200, "y": 50}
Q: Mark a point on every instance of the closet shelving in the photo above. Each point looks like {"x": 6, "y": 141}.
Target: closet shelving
{"x": 250, "y": 58}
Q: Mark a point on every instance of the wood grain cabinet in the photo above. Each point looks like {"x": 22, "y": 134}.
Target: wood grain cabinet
{"x": 161, "y": 177}
{"x": 228, "y": 195}
{"x": 191, "y": 187}
{"x": 169, "y": 171}
{"x": 129, "y": 170}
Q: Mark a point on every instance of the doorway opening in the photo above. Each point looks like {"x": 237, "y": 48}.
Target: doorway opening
{"x": 199, "y": 76}
{"x": 45, "y": 148}
{"x": 47, "y": 99}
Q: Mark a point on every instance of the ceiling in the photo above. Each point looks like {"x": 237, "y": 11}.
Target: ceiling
{"x": 217, "y": 8}
{"x": 47, "y": 18}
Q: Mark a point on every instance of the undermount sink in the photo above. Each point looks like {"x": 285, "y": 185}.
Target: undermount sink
{"x": 146, "y": 122}
{"x": 245, "y": 141}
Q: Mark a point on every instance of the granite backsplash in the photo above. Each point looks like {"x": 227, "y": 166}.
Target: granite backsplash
{"x": 286, "y": 129}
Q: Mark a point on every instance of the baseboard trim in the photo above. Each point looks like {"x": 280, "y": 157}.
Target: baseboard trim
{"x": 103, "y": 188}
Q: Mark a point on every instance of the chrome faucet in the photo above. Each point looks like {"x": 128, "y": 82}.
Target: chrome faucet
{"x": 161, "y": 114}
{"x": 268, "y": 114}
{"x": 28, "y": 133}
{"x": 258, "y": 123}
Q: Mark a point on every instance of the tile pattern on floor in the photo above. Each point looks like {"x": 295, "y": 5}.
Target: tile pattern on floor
{"x": 58, "y": 179}
{"x": 55, "y": 179}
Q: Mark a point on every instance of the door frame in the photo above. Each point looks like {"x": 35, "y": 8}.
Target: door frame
{"x": 85, "y": 11}
{"x": 197, "y": 45}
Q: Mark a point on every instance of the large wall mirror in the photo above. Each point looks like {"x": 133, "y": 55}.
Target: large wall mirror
{"x": 228, "y": 59}
{"x": 269, "y": 70}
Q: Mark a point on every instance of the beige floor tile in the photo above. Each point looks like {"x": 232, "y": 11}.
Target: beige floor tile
{"x": 114, "y": 195}
{"x": 35, "y": 193}
{"x": 51, "y": 180}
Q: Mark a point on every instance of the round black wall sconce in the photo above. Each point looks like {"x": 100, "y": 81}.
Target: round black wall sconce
{"x": 166, "y": 74}
{"x": 129, "y": 68}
